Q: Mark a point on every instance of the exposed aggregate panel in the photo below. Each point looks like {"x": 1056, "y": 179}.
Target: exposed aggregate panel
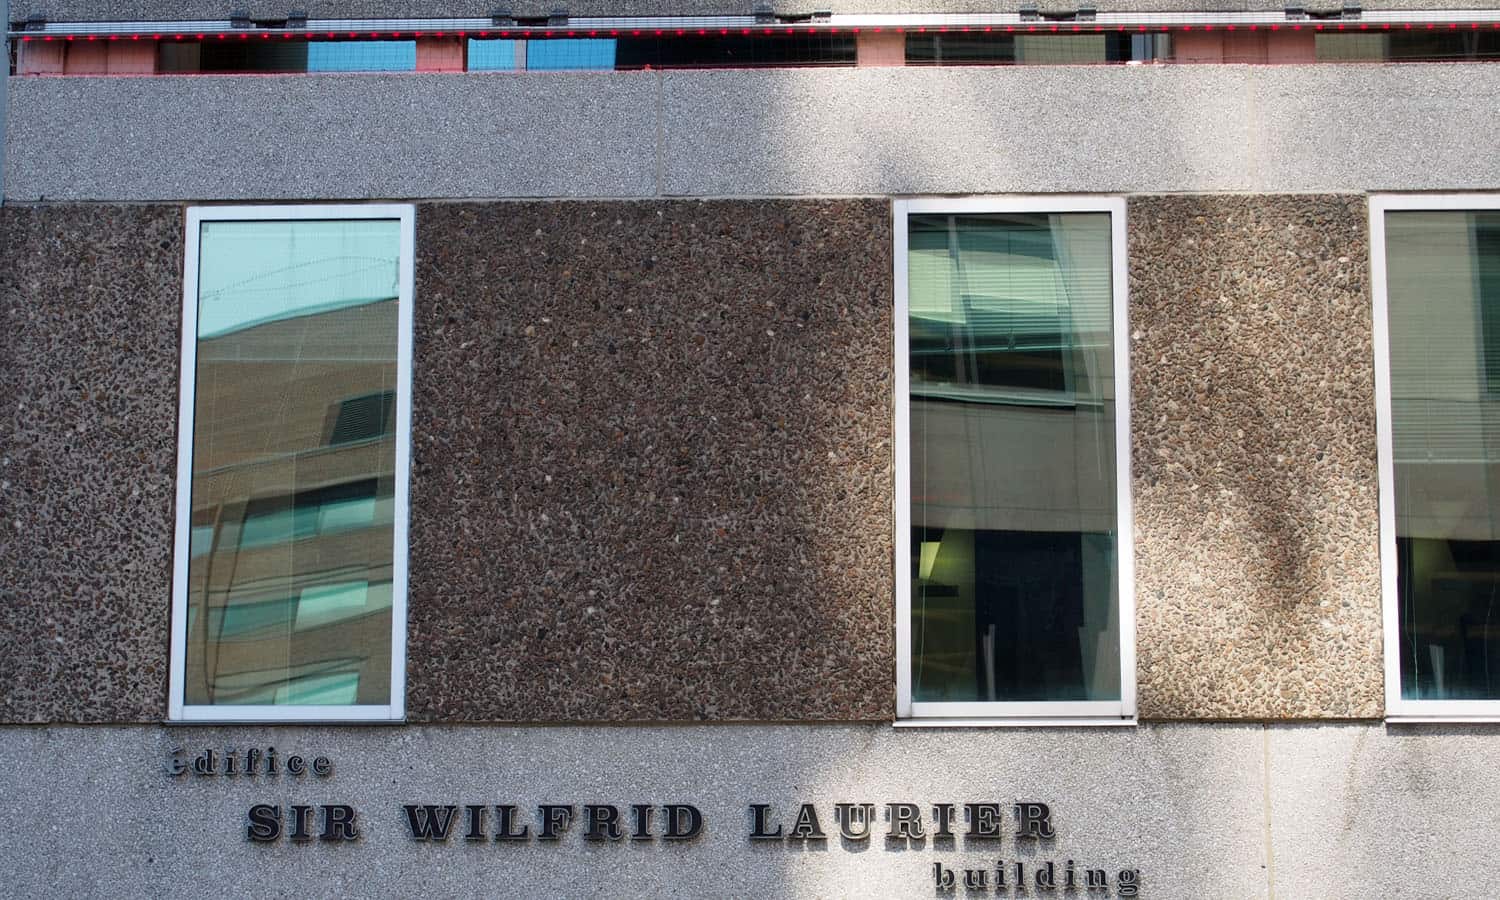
{"x": 90, "y": 299}
{"x": 1254, "y": 457}
{"x": 652, "y": 462}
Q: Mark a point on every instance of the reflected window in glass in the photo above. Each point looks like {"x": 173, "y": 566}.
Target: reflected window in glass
{"x": 1438, "y": 298}
{"x": 1015, "y": 581}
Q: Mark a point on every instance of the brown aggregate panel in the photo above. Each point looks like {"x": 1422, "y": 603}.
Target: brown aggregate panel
{"x": 652, "y": 462}
{"x": 88, "y": 373}
{"x": 1253, "y": 431}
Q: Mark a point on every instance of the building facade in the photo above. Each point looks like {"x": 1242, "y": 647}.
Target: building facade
{"x": 676, "y": 449}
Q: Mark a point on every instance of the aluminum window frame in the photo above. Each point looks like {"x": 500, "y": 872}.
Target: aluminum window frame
{"x": 1398, "y": 709}
{"x": 395, "y": 709}
{"x": 911, "y": 713}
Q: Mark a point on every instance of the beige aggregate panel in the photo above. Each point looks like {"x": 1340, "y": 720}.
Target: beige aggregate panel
{"x": 1253, "y": 433}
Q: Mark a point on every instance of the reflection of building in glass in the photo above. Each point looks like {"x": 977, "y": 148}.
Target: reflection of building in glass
{"x": 293, "y": 482}
{"x": 1444, "y": 307}
{"x": 1012, "y": 458}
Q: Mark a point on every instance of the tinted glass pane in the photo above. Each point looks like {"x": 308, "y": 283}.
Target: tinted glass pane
{"x": 565, "y": 53}
{"x": 289, "y": 581}
{"x": 361, "y": 56}
{"x": 735, "y": 51}
{"x": 491, "y": 55}
{"x": 554, "y": 54}
{"x": 1012, "y": 458}
{"x": 1409, "y": 46}
{"x": 1001, "y": 48}
{"x": 287, "y": 56}
{"x": 1443, "y": 285}
{"x": 228, "y": 56}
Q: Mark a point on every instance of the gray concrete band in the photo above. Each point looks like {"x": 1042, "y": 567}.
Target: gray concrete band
{"x": 757, "y": 133}
{"x": 1201, "y": 810}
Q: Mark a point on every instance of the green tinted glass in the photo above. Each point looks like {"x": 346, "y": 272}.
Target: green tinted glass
{"x": 293, "y": 468}
{"x": 1013, "y": 493}
{"x": 1443, "y": 289}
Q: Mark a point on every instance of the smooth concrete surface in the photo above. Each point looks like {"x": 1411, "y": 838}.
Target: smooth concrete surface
{"x": 958, "y": 130}
{"x": 1406, "y": 811}
{"x": 168, "y": 10}
{"x": 303, "y": 137}
{"x": 90, "y": 811}
{"x": 788, "y": 132}
{"x": 1202, "y": 810}
{"x": 1048, "y": 129}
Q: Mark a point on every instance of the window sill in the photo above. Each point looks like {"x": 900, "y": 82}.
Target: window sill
{"x": 1443, "y": 720}
{"x": 1019, "y": 722}
{"x": 286, "y": 715}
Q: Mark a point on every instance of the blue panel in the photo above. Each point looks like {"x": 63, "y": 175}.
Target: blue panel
{"x": 491, "y": 56}
{"x": 557, "y": 54}
{"x": 362, "y": 56}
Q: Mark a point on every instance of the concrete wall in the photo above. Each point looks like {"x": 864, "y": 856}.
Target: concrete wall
{"x": 757, "y": 133}
{"x": 580, "y": 364}
{"x": 662, "y": 490}
{"x": 1200, "y": 810}
{"x": 652, "y": 460}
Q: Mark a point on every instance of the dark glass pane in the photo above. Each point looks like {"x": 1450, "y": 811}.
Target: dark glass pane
{"x": 1409, "y": 46}
{"x": 1014, "y": 593}
{"x": 363, "y": 418}
{"x": 736, "y": 50}
{"x": 958, "y": 48}
{"x": 1450, "y": 615}
{"x": 229, "y": 56}
{"x": 1444, "y": 309}
{"x": 645, "y": 50}
{"x": 276, "y": 55}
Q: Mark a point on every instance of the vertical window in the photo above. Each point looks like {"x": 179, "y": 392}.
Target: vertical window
{"x": 1013, "y": 554}
{"x": 289, "y": 590}
{"x": 1437, "y": 340}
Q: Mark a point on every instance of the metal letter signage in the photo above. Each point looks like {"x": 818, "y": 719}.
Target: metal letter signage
{"x": 908, "y": 825}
